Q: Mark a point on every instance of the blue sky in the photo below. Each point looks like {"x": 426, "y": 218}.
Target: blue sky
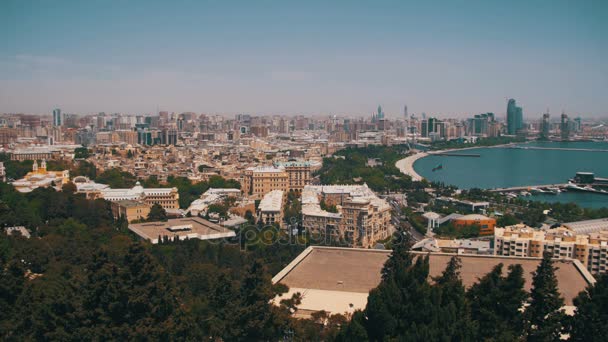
{"x": 450, "y": 58}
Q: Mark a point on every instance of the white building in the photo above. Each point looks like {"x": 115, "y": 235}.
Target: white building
{"x": 211, "y": 196}
{"x": 168, "y": 198}
{"x": 270, "y": 210}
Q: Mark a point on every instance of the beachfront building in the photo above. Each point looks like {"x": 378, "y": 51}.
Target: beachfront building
{"x": 562, "y": 243}
{"x": 361, "y": 219}
{"x": 40, "y": 177}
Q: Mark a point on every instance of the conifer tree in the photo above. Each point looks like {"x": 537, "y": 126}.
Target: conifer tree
{"x": 590, "y": 321}
{"x": 544, "y": 316}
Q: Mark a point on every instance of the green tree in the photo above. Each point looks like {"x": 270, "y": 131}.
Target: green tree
{"x": 544, "y": 315}
{"x": 590, "y": 321}
{"x": 81, "y": 153}
{"x": 157, "y": 213}
{"x": 496, "y": 302}
{"x": 69, "y": 187}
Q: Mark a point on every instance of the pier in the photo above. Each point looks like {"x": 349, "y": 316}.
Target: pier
{"x": 559, "y": 148}
{"x": 528, "y": 187}
{"x": 446, "y": 154}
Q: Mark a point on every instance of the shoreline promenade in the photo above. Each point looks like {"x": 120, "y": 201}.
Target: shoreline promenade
{"x": 406, "y": 165}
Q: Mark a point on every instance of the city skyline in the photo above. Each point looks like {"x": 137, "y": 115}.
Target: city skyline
{"x": 285, "y": 58}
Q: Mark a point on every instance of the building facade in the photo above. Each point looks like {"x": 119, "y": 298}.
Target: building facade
{"x": 361, "y": 219}
{"x": 258, "y": 181}
{"x": 39, "y": 177}
{"x": 562, "y": 243}
{"x": 130, "y": 210}
{"x": 168, "y": 198}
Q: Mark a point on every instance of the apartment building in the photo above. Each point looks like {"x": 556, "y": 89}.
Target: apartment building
{"x": 298, "y": 174}
{"x": 562, "y": 243}
{"x": 361, "y": 220}
{"x": 258, "y": 181}
{"x": 286, "y": 176}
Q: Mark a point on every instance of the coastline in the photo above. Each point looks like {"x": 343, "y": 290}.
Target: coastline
{"x": 406, "y": 165}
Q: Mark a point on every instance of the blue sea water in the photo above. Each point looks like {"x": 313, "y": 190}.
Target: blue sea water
{"x": 507, "y": 167}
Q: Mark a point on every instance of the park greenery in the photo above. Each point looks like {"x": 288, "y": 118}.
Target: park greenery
{"x": 480, "y": 142}
{"x": 350, "y": 166}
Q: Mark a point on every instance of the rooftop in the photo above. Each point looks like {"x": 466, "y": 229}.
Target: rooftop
{"x": 588, "y": 226}
{"x": 338, "y": 279}
{"x": 272, "y": 201}
{"x": 182, "y": 228}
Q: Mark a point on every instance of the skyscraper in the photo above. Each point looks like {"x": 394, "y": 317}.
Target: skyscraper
{"x": 545, "y": 126}
{"x": 57, "y": 120}
{"x": 515, "y": 120}
{"x": 380, "y": 115}
{"x": 565, "y": 127}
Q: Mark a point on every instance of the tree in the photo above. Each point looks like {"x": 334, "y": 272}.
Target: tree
{"x": 544, "y": 315}
{"x": 69, "y": 187}
{"x": 590, "y": 321}
{"x": 496, "y": 302}
{"x": 81, "y": 153}
{"x": 157, "y": 213}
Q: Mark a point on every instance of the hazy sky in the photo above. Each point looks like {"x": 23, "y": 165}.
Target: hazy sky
{"x": 439, "y": 57}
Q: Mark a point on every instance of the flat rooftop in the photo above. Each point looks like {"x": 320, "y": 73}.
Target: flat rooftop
{"x": 338, "y": 280}
{"x": 181, "y": 228}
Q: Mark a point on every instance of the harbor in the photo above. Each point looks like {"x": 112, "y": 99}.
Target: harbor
{"x": 514, "y": 170}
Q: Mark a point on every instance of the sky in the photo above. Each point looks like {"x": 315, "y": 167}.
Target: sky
{"x": 445, "y": 58}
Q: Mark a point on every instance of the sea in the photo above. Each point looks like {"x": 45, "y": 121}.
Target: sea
{"x": 500, "y": 167}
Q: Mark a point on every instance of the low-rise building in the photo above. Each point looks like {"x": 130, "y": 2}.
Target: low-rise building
{"x": 486, "y": 224}
{"x": 211, "y": 196}
{"x": 40, "y": 177}
{"x": 270, "y": 210}
{"x": 168, "y": 198}
{"x": 456, "y": 246}
{"x": 338, "y": 280}
{"x": 130, "y": 210}
{"x": 181, "y": 229}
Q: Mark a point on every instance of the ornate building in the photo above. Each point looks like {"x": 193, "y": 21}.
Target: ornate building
{"x": 39, "y": 177}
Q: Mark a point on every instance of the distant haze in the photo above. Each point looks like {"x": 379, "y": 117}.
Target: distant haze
{"x": 444, "y": 58}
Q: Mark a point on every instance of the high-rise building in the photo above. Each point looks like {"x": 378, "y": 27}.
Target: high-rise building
{"x": 565, "y": 127}
{"x": 545, "y": 126}
{"x": 380, "y": 115}
{"x": 57, "y": 120}
{"x": 515, "y": 120}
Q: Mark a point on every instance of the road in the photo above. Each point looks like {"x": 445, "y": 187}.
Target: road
{"x": 401, "y": 224}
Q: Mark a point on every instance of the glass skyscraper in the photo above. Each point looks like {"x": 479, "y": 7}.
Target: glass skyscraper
{"x": 515, "y": 117}
{"x": 57, "y": 120}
